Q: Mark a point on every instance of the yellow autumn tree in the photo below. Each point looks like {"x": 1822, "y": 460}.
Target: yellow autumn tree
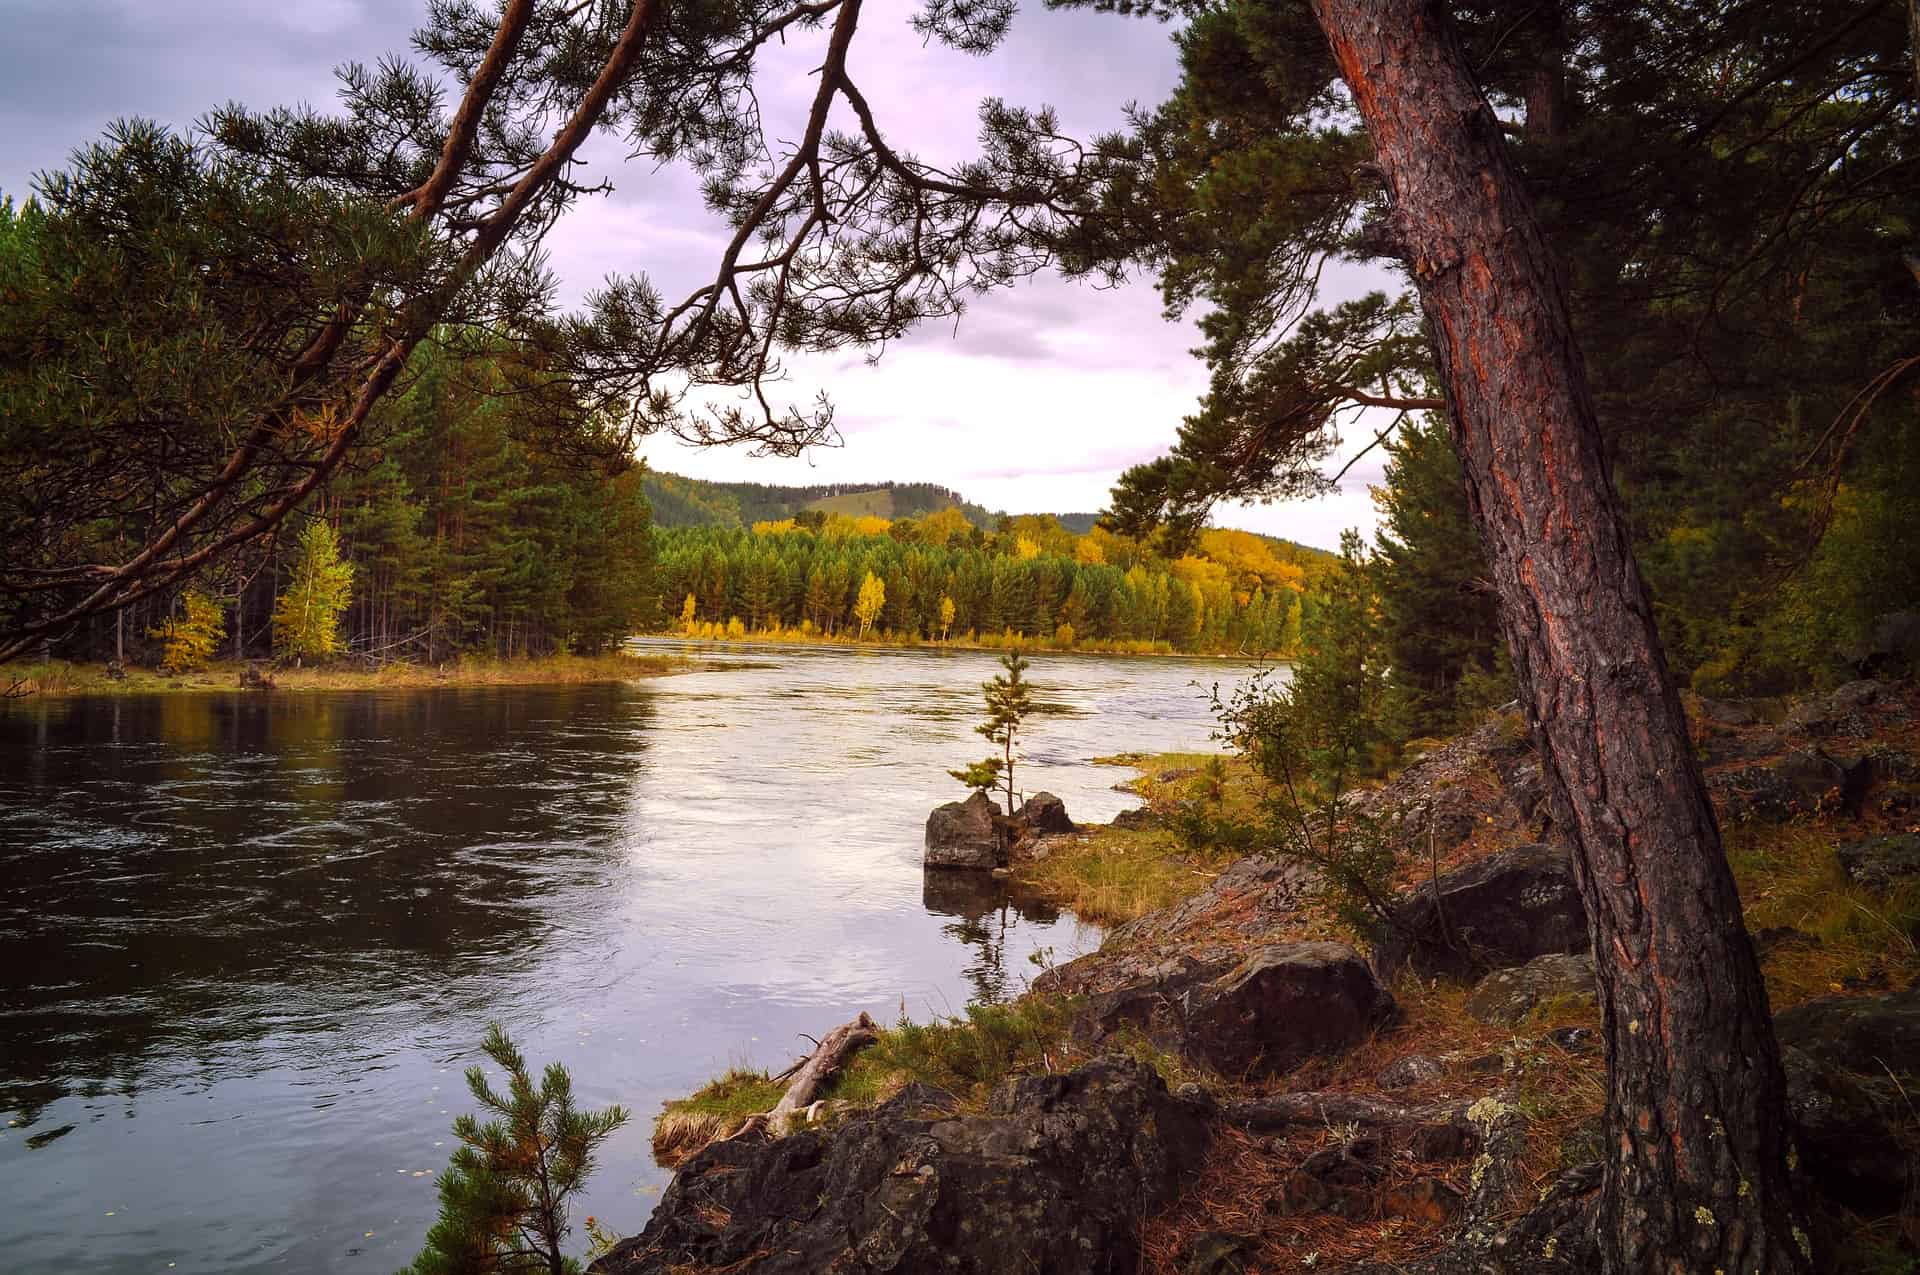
{"x": 191, "y": 636}
{"x": 866, "y": 608}
{"x": 306, "y": 618}
{"x": 946, "y": 615}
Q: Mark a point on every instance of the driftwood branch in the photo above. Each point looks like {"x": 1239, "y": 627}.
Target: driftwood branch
{"x": 835, "y": 1048}
{"x": 811, "y": 1075}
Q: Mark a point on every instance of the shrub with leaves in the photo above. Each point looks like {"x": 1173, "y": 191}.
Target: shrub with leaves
{"x": 1307, "y": 769}
{"x": 503, "y": 1197}
{"x": 191, "y": 636}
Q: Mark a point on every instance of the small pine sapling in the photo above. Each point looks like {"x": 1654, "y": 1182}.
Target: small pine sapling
{"x": 503, "y": 1197}
{"x": 1009, "y": 701}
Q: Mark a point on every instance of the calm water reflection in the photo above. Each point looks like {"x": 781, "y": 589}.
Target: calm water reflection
{"x": 249, "y": 942}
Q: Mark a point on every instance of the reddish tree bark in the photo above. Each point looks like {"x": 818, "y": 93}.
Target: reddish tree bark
{"x": 1696, "y": 1176}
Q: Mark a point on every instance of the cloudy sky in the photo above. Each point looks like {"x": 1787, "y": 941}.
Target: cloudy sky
{"x": 1035, "y": 400}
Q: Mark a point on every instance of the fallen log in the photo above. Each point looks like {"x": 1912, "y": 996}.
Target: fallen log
{"x": 835, "y": 1048}
{"x": 810, "y": 1075}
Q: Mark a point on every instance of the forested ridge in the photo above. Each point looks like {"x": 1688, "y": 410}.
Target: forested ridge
{"x": 696, "y": 502}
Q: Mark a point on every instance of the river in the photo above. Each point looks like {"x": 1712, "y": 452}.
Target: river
{"x": 249, "y": 943}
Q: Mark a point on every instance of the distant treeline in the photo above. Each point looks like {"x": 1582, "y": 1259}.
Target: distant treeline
{"x": 943, "y": 578}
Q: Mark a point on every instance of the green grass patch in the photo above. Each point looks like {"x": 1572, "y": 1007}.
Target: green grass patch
{"x": 56, "y": 678}
{"x": 967, "y": 1055}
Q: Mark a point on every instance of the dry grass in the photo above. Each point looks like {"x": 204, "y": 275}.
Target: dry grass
{"x": 1112, "y": 875}
{"x": 713, "y": 1111}
{"x": 58, "y": 678}
{"x": 1238, "y": 1190}
{"x": 1857, "y": 940}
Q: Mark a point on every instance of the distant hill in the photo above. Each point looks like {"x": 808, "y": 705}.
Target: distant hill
{"x": 694, "y": 502}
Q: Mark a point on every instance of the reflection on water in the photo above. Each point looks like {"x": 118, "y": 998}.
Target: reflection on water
{"x": 985, "y": 913}
{"x": 249, "y": 942}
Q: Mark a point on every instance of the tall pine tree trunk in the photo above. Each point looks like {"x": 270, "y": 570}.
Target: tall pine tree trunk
{"x": 1696, "y": 1172}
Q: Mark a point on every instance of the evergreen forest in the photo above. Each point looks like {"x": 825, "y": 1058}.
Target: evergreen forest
{"x": 1029, "y": 582}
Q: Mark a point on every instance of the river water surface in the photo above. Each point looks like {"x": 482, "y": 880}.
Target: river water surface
{"x": 248, "y": 943}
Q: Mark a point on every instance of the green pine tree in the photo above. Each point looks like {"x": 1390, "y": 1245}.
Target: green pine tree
{"x": 1009, "y": 701}
{"x": 503, "y": 1197}
{"x": 1441, "y": 627}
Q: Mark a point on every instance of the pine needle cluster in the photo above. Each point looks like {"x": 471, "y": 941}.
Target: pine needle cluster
{"x": 503, "y": 1197}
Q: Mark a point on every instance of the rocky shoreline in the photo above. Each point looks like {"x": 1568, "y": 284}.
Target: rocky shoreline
{"x": 1238, "y": 1090}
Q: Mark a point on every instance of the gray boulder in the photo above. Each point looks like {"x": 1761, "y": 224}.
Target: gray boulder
{"x": 1852, "y": 1063}
{"x": 1044, "y": 813}
{"x": 1870, "y": 1035}
{"x": 1056, "y": 1177}
{"x": 1219, "y": 1253}
{"x": 1281, "y": 1005}
{"x": 1893, "y": 647}
{"x": 1800, "y": 782}
{"x": 1726, "y": 712}
{"x": 1507, "y": 997}
{"x": 1413, "y": 1069}
{"x": 1878, "y": 862}
{"x": 965, "y": 834}
{"x": 1846, "y": 1124}
{"x": 1846, "y": 711}
{"x": 1500, "y": 911}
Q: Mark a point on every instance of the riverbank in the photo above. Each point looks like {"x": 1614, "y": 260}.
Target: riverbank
{"x": 58, "y": 678}
{"x": 739, "y": 635}
{"x": 1355, "y": 1125}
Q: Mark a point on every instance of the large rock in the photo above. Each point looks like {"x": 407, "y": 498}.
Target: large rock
{"x": 1266, "y": 1014}
{"x": 966, "y": 834}
{"x": 1848, "y": 711}
{"x": 1802, "y": 781}
{"x": 1043, "y": 813}
{"x": 1870, "y": 1035}
{"x": 1251, "y": 897}
{"x": 1508, "y": 997}
{"x": 1487, "y": 777}
{"x": 1893, "y": 647}
{"x": 1878, "y": 862}
{"x": 1847, "y": 1141}
{"x": 1852, "y": 1064}
{"x": 1500, "y": 911}
{"x": 1057, "y": 1177}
